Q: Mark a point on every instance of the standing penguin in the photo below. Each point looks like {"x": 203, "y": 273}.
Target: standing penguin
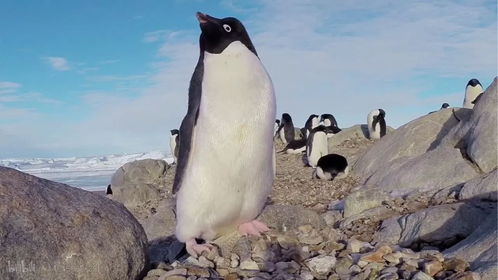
{"x": 472, "y": 91}
{"x": 317, "y": 145}
{"x": 286, "y": 130}
{"x": 376, "y": 124}
{"x": 173, "y": 144}
{"x": 226, "y": 142}
{"x": 275, "y": 127}
{"x": 328, "y": 120}
{"x": 311, "y": 123}
{"x": 330, "y": 166}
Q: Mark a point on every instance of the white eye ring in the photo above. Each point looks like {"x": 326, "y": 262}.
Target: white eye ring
{"x": 227, "y": 27}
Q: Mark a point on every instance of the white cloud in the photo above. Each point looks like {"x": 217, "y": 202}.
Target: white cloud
{"x": 8, "y": 87}
{"x": 57, "y": 63}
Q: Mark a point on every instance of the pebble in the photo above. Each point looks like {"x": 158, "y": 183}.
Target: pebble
{"x": 198, "y": 271}
{"x": 343, "y": 264}
{"x": 455, "y": 264}
{"x": 432, "y": 267}
{"x": 321, "y": 264}
{"x": 421, "y": 276}
{"x": 234, "y": 260}
{"x": 156, "y": 272}
{"x": 249, "y": 265}
{"x": 394, "y": 258}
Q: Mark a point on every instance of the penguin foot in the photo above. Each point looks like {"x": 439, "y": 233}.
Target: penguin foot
{"x": 195, "y": 249}
{"x": 253, "y": 227}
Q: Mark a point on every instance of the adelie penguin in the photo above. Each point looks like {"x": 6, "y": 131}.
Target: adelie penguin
{"x": 173, "y": 144}
{"x": 330, "y": 167}
{"x": 276, "y": 126}
{"x": 295, "y": 146}
{"x": 330, "y": 124}
{"x": 472, "y": 92}
{"x": 226, "y": 143}
{"x": 286, "y": 130}
{"x": 312, "y": 122}
{"x": 317, "y": 146}
{"x": 376, "y": 124}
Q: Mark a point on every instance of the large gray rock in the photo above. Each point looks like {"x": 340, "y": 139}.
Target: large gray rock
{"x": 480, "y": 249}
{"x": 478, "y": 136}
{"x": 138, "y": 182}
{"x": 431, "y": 171}
{"x": 484, "y": 187}
{"x": 442, "y": 225}
{"x": 161, "y": 222}
{"x": 410, "y": 140}
{"x": 50, "y": 230}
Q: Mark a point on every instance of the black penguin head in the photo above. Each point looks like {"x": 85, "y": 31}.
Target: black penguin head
{"x": 325, "y": 116}
{"x": 382, "y": 113}
{"x": 277, "y": 121}
{"x": 286, "y": 118}
{"x": 217, "y": 33}
{"x": 174, "y": 132}
{"x": 445, "y": 105}
{"x": 473, "y": 83}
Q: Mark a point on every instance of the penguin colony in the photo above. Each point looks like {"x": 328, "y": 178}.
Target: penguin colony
{"x": 211, "y": 161}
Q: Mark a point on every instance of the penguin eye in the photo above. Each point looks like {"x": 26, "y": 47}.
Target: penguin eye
{"x": 227, "y": 27}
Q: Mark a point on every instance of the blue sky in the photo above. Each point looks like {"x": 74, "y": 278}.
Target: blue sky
{"x": 80, "y": 78}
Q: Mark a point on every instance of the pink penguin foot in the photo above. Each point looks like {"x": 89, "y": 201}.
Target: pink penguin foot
{"x": 253, "y": 227}
{"x": 195, "y": 249}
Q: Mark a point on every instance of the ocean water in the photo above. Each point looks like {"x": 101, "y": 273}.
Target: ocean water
{"x": 89, "y": 173}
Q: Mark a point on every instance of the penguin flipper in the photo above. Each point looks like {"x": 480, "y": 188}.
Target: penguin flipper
{"x": 188, "y": 123}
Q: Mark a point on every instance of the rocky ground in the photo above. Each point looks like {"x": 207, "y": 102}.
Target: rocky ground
{"x": 420, "y": 203}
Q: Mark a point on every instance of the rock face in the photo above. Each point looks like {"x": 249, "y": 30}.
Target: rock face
{"x": 477, "y": 136}
{"x": 49, "y": 230}
{"x": 137, "y": 182}
{"x": 479, "y": 249}
{"x": 442, "y": 225}
{"x": 483, "y": 187}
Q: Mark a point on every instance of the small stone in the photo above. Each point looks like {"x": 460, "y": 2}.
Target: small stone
{"x": 388, "y": 276}
{"x": 354, "y": 245}
{"x": 286, "y": 241}
{"x": 156, "y": 272}
{"x": 306, "y": 275}
{"x": 421, "y": 276}
{"x": 260, "y": 251}
{"x": 249, "y": 265}
{"x": 432, "y": 255}
{"x": 311, "y": 238}
{"x": 355, "y": 269}
{"x": 408, "y": 267}
{"x": 234, "y": 260}
{"x": 405, "y": 274}
{"x": 204, "y": 262}
{"x": 432, "y": 267}
{"x": 321, "y": 265}
{"x": 175, "y": 272}
{"x": 221, "y": 262}
{"x": 305, "y": 228}
{"x": 332, "y": 217}
{"x": 343, "y": 264}
{"x": 412, "y": 263}
{"x": 394, "y": 258}
{"x": 223, "y": 272}
{"x": 376, "y": 256}
{"x": 212, "y": 254}
{"x": 455, "y": 264}
{"x": 174, "y": 277}
{"x": 232, "y": 276}
{"x": 390, "y": 269}
{"x": 198, "y": 271}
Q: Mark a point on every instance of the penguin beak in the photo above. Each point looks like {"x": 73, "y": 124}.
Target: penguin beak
{"x": 204, "y": 18}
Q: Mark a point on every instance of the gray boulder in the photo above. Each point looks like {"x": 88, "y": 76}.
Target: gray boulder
{"x": 442, "y": 225}
{"x": 480, "y": 249}
{"x": 138, "y": 182}
{"x": 161, "y": 221}
{"x": 477, "y": 136}
{"x": 484, "y": 187}
{"x": 363, "y": 199}
{"x": 410, "y": 140}
{"x": 431, "y": 171}
{"x": 50, "y": 230}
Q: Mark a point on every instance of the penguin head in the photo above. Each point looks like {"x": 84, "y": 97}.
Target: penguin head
{"x": 445, "y": 105}
{"x": 473, "y": 83}
{"x": 174, "y": 132}
{"x": 286, "y": 118}
{"x": 382, "y": 114}
{"x": 217, "y": 33}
